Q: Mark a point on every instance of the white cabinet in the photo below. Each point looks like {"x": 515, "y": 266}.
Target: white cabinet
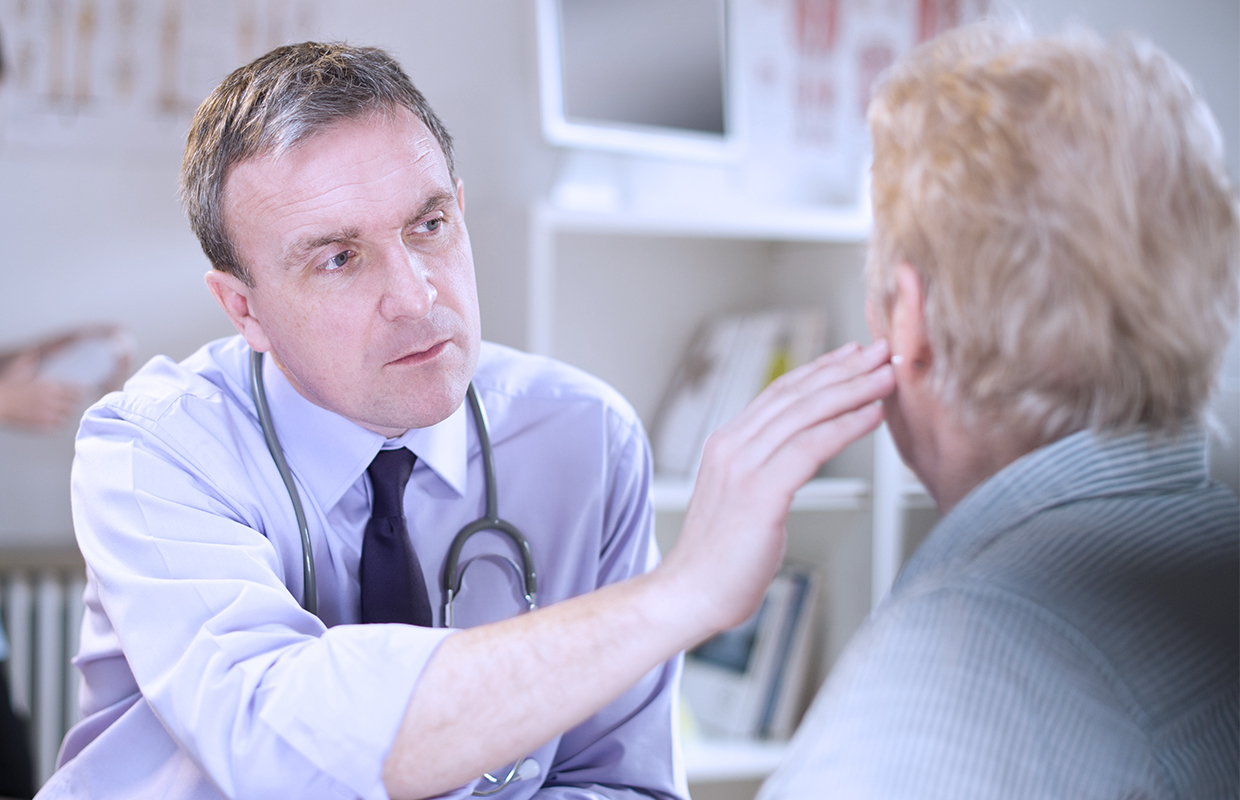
{"x": 620, "y": 294}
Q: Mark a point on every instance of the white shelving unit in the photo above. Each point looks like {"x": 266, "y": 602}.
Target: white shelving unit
{"x": 885, "y": 493}
{"x": 820, "y": 494}
{"x": 719, "y": 760}
{"x": 766, "y": 224}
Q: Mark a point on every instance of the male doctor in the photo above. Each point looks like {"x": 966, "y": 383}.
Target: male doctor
{"x": 321, "y": 187}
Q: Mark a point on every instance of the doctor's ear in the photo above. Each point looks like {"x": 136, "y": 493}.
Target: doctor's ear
{"x": 460, "y": 195}
{"x": 235, "y": 297}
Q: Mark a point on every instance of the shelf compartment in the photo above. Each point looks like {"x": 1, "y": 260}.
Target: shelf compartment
{"x": 820, "y": 494}
{"x": 718, "y": 760}
{"x": 798, "y": 223}
{"x": 914, "y": 495}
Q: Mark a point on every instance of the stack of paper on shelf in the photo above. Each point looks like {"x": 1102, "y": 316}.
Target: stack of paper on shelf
{"x": 749, "y": 681}
{"x": 730, "y": 360}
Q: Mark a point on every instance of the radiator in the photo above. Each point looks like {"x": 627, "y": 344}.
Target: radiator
{"x": 41, "y": 604}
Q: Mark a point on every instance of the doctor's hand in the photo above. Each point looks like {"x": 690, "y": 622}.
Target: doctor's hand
{"x": 732, "y": 540}
{"x": 494, "y": 693}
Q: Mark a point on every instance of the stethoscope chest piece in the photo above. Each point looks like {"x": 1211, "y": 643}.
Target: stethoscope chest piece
{"x": 525, "y": 769}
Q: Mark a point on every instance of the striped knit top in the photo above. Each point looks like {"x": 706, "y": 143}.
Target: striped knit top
{"x": 1071, "y": 629}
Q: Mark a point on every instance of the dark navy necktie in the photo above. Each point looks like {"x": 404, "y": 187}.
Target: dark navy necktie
{"x": 393, "y": 589}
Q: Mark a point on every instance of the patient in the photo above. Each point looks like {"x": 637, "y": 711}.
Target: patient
{"x": 1054, "y": 264}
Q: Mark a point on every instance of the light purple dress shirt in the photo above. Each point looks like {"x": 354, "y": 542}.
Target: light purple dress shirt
{"x": 202, "y": 675}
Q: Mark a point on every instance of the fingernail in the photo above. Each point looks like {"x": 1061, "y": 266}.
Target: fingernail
{"x": 897, "y": 359}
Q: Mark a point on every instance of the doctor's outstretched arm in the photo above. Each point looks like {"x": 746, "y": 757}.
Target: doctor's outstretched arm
{"x": 489, "y": 695}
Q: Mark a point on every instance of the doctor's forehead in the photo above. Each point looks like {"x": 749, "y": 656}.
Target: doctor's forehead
{"x": 391, "y": 160}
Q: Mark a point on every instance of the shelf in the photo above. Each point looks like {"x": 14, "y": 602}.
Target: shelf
{"x": 717, "y": 760}
{"x": 914, "y": 495}
{"x": 820, "y": 494}
{"x": 796, "y": 223}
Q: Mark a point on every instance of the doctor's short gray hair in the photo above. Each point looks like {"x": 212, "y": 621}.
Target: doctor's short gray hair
{"x": 1065, "y": 203}
{"x": 273, "y": 104}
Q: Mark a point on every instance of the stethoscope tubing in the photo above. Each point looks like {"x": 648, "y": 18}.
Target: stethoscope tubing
{"x": 452, "y": 574}
{"x": 309, "y": 582}
{"x": 491, "y": 520}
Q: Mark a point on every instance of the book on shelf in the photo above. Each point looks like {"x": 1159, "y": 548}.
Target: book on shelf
{"x": 749, "y": 681}
{"x": 728, "y": 362}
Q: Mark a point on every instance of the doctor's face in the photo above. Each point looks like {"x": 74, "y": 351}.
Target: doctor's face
{"x": 363, "y": 281}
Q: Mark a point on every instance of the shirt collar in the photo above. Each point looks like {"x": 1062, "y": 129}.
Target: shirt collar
{"x": 1080, "y": 466}
{"x": 328, "y": 452}
{"x": 441, "y": 447}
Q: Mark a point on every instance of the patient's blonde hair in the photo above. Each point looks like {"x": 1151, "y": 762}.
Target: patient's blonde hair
{"x": 1065, "y": 203}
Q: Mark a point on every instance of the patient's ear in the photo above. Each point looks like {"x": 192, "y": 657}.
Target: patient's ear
{"x": 234, "y": 296}
{"x": 912, "y": 356}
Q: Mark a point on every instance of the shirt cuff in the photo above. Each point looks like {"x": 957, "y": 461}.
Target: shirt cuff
{"x": 342, "y": 703}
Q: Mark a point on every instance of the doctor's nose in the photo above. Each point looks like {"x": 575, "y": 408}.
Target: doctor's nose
{"x": 408, "y": 291}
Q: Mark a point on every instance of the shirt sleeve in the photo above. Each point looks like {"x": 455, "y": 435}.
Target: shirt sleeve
{"x": 263, "y": 698}
{"x": 631, "y": 747}
{"x": 963, "y": 693}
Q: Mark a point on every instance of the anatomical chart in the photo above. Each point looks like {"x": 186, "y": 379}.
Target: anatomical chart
{"x": 807, "y": 69}
{"x": 117, "y": 76}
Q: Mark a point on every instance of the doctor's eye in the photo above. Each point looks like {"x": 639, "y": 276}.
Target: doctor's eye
{"x": 428, "y": 226}
{"x": 339, "y": 260}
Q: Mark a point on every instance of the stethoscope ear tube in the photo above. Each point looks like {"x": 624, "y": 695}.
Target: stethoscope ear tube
{"x": 310, "y": 600}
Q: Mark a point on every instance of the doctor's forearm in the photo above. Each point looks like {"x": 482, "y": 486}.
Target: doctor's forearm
{"x": 492, "y": 694}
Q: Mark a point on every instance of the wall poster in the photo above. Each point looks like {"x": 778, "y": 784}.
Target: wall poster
{"x": 807, "y": 70}
{"x": 117, "y": 76}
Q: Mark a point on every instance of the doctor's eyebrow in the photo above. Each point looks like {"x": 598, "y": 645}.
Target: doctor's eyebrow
{"x": 299, "y": 249}
{"x": 432, "y": 202}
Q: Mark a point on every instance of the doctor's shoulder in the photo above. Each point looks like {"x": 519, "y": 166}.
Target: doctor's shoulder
{"x": 199, "y": 407}
{"x": 212, "y": 374}
{"x": 545, "y": 387}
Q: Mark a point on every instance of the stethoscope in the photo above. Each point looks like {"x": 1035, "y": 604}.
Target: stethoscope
{"x": 452, "y": 574}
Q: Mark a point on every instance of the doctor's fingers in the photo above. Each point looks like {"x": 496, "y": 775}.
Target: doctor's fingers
{"x": 791, "y": 445}
{"x": 809, "y": 380}
{"x": 765, "y": 464}
{"x": 838, "y": 354}
{"x": 827, "y": 389}
{"x": 801, "y": 455}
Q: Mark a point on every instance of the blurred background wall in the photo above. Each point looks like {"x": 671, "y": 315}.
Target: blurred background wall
{"x": 95, "y": 234}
